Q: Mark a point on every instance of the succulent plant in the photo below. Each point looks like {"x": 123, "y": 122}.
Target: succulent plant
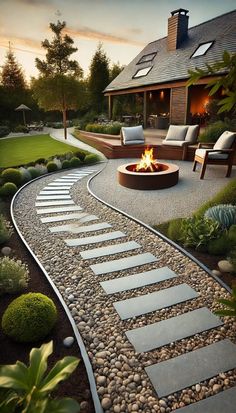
{"x": 225, "y": 214}
{"x": 198, "y": 231}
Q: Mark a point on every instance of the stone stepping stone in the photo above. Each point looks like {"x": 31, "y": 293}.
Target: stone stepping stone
{"x": 59, "y": 184}
{"x": 175, "y": 328}
{"x": 51, "y": 197}
{"x": 56, "y": 188}
{"x": 188, "y": 369}
{"x": 133, "y": 307}
{"x": 59, "y": 192}
{"x": 63, "y": 181}
{"x": 123, "y": 263}
{"x": 109, "y": 250}
{"x": 67, "y": 179}
{"x": 223, "y": 402}
{"x": 75, "y": 229}
{"x": 94, "y": 239}
{"x": 137, "y": 280}
{"x": 59, "y": 209}
{"x": 63, "y": 217}
{"x": 52, "y": 203}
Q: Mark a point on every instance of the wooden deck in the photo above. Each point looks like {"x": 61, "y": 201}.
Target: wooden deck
{"x": 111, "y": 147}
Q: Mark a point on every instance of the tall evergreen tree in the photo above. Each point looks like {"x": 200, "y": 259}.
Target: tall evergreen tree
{"x": 98, "y": 79}
{"x": 58, "y": 86}
{"x": 12, "y": 76}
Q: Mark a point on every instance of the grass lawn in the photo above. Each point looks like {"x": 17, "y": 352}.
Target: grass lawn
{"x": 21, "y": 150}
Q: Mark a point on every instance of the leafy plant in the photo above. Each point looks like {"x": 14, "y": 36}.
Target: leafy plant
{"x": 214, "y": 130}
{"x": 197, "y": 232}
{"x": 4, "y": 131}
{"x": 225, "y": 214}
{"x": 229, "y": 304}
{"x": 219, "y": 246}
{"x": 174, "y": 229}
{"x": 232, "y": 234}
{"x": 232, "y": 258}
{"x": 12, "y": 175}
{"x": 29, "y": 317}
{"x": 74, "y": 162}
{"x": 5, "y": 230}
{"x": 14, "y": 275}
{"x": 28, "y": 389}
{"x": 51, "y": 166}
{"x": 65, "y": 164}
{"x": 8, "y": 189}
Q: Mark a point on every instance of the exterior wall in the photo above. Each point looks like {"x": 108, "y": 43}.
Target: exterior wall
{"x": 178, "y": 105}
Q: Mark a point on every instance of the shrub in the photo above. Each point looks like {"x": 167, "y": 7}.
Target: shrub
{"x": 51, "y": 166}
{"x": 5, "y": 230}
{"x": 65, "y": 164}
{"x": 91, "y": 158}
{"x": 8, "y": 189}
{"x": 230, "y": 305}
{"x": 21, "y": 129}
{"x": 232, "y": 258}
{"x": 12, "y": 175}
{"x": 80, "y": 154}
{"x": 225, "y": 214}
{"x": 112, "y": 128}
{"x": 232, "y": 234}
{"x": 69, "y": 155}
{"x": 219, "y": 246}
{"x": 213, "y": 131}
{"x": 57, "y": 161}
{"x": 74, "y": 162}
{"x": 174, "y": 229}
{"x": 40, "y": 160}
{"x": 41, "y": 168}
{"x": 25, "y": 175}
{"x": 34, "y": 173}
{"x": 29, "y": 317}
{"x": 14, "y": 276}
{"x": 197, "y": 232}
{"x": 4, "y": 131}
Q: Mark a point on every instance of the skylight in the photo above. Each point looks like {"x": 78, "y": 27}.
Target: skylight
{"x": 202, "y": 49}
{"x": 147, "y": 58}
{"x": 142, "y": 72}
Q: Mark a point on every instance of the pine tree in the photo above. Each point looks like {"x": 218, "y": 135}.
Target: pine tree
{"x": 98, "y": 79}
{"x": 12, "y": 76}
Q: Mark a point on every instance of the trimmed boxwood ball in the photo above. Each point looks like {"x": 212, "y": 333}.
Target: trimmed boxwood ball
{"x": 74, "y": 162}
{"x": 65, "y": 164}
{"x": 12, "y": 175}
{"x": 29, "y": 318}
{"x": 33, "y": 172}
{"x": 91, "y": 158}
{"x": 51, "y": 166}
{"x": 8, "y": 189}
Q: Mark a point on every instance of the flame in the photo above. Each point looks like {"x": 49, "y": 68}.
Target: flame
{"x": 147, "y": 162}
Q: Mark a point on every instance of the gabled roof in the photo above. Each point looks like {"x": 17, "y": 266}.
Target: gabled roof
{"x": 168, "y": 66}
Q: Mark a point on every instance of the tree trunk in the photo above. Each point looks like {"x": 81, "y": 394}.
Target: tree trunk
{"x": 64, "y": 123}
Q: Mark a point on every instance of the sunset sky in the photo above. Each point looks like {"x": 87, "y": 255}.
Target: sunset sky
{"x": 123, "y": 26}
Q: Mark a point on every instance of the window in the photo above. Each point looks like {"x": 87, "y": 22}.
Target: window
{"x": 202, "y": 49}
{"x": 142, "y": 72}
{"x": 147, "y": 58}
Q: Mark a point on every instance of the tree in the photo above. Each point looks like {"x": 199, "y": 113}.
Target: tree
{"x": 58, "y": 85}
{"x": 12, "y": 76}
{"x": 114, "y": 71}
{"x": 98, "y": 79}
{"x": 226, "y": 79}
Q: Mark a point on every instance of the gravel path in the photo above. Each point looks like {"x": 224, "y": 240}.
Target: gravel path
{"x": 122, "y": 383}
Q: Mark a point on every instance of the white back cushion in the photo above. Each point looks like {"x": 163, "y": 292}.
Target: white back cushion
{"x": 132, "y": 135}
{"x": 192, "y": 133}
{"x": 225, "y": 140}
{"x": 176, "y": 133}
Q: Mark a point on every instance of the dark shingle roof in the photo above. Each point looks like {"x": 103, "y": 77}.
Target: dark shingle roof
{"x": 174, "y": 65}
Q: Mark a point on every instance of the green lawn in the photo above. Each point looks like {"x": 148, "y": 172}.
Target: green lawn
{"x": 21, "y": 150}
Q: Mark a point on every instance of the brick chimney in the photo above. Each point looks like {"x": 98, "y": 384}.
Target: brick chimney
{"x": 177, "y": 28}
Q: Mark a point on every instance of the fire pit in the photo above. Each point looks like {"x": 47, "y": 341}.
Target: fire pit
{"x": 148, "y": 173}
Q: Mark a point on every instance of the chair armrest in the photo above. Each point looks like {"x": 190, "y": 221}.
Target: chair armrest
{"x": 205, "y": 144}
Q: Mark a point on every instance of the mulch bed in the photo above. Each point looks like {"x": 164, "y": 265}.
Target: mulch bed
{"x": 77, "y": 385}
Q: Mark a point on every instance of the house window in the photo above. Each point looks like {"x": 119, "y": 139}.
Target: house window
{"x": 142, "y": 72}
{"x": 202, "y": 49}
{"x": 147, "y": 58}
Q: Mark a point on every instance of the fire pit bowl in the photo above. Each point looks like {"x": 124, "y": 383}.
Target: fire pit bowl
{"x": 166, "y": 176}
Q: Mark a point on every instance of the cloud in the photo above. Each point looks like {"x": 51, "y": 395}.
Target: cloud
{"x": 87, "y": 33}
{"x": 19, "y": 43}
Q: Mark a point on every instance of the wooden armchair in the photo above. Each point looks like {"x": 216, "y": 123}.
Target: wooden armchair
{"x": 220, "y": 153}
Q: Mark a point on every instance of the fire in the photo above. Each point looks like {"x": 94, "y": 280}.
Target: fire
{"x": 147, "y": 163}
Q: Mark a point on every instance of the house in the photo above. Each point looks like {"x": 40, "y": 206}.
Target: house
{"x": 157, "y": 76}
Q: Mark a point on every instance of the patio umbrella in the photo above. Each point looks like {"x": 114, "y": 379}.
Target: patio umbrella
{"x": 22, "y": 108}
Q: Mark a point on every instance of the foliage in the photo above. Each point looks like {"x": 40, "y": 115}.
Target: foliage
{"x": 98, "y": 79}
{"x": 4, "y": 131}
{"x": 28, "y": 389}
{"x": 5, "y": 230}
{"x": 174, "y": 229}
{"x": 29, "y": 317}
{"x": 225, "y": 214}
{"x": 65, "y": 164}
{"x": 229, "y": 304}
{"x": 198, "y": 231}
{"x": 91, "y": 158}
{"x": 34, "y": 173}
{"x": 12, "y": 76}
{"x": 12, "y": 175}
{"x": 14, "y": 276}
{"x": 219, "y": 246}
{"x": 89, "y": 117}
{"x": 162, "y": 228}
{"x": 114, "y": 71}
{"x": 41, "y": 168}
{"x": 112, "y": 128}
{"x": 69, "y": 155}
{"x": 214, "y": 130}
{"x": 226, "y": 81}
{"x": 57, "y": 162}
{"x": 8, "y": 189}
{"x": 51, "y": 166}
{"x": 74, "y": 162}
{"x": 232, "y": 234}
{"x": 21, "y": 129}
{"x": 232, "y": 258}
{"x": 80, "y": 154}
{"x": 25, "y": 175}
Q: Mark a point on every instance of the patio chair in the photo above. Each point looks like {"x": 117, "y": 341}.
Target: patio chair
{"x": 132, "y": 135}
{"x": 181, "y": 136}
{"x": 220, "y": 153}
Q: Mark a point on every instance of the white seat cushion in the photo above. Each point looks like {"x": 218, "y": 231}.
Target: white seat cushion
{"x": 211, "y": 155}
{"x": 174, "y": 143}
{"x": 176, "y": 133}
{"x": 132, "y": 135}
{"x": 192, "y": 134}
{"x": 225, "y": 140}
